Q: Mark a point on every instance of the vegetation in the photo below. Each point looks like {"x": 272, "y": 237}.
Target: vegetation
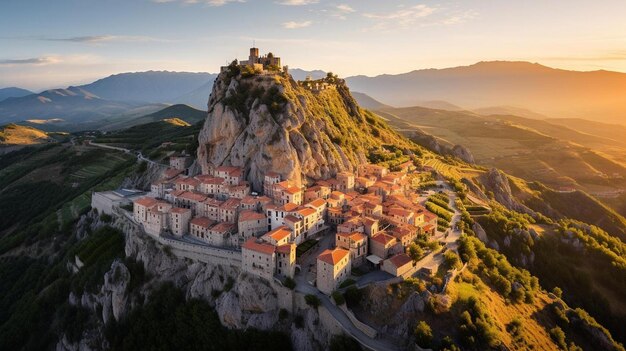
{"x": 344, "y": 343}
{"x": 338, "y": 297}
{"x": 312, "y": 300}
{"x": 169, "y": 322}
{"x": 423, "y": 334}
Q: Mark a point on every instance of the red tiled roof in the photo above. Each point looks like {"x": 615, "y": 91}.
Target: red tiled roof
{"x": 400, "y": 260}
{"x": 250, "y": 216}
{"x": 289, "y": 207}
{"x": 383, "y": 238}
{"x": 306, "y": 211}
{"x": 230, "y": 204}
{"x": 279, "y": 233}
{"x": 292, "y": 219}
{"x": 317, "y": 203}
{"x": 292, "y": 190}
{"x": 193, "y": 196}
{"x": 285, "y": 249}
{"x": 223, "y": 227}
{"x": 146, "y": 201}
{"x": 333, "y": 256}
{"x": 202, "y": 222}
{"x": 179, "y": 210}
{"x": 257, "y": 246}
{"x": 354, "y": 236}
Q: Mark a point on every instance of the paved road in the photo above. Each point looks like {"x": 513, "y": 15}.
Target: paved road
{"x": 344, "y": 321}
{"x": 140, "y": 156}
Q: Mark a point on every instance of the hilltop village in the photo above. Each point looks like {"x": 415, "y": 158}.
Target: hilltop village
{"x": 371, "y": 215}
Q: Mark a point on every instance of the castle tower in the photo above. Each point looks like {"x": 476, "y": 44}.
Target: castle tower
{"x": 254, "y": 56}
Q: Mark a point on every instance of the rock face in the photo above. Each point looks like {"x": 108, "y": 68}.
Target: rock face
{"x": 498, "y": 183}
{"x": 270, "y": 123}
{"x": 441, "y": 146}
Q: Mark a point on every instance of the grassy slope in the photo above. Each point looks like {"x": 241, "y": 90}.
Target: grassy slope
{"x": 12, "y": 134}
{"x": 182, "y": 112}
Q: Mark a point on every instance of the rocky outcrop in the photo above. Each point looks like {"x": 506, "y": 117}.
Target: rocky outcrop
{"x": 441, "y": 146}
{"x": 498, "y": 183}
{"x": 269, "y": 123}
{"x": 153, "y": 172}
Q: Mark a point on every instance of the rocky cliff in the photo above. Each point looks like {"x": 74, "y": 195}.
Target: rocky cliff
{"x": 268, "y": 122}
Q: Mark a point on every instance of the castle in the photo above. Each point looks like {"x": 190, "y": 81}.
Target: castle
{"x": 258, "y": 63}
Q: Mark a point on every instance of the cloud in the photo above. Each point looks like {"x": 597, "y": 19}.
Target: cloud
{"x": 345, "y": 8}
{"x": 404, "y": 16}
{"x": 208, "y": 2}
{"x": 297, "y": 2}
{"x": 296, "y": 25}
{"x": 94, "y": 39}
{"x": 29, "y": 61}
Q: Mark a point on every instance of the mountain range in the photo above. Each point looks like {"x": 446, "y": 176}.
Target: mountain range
{"x": 499, "y": 87}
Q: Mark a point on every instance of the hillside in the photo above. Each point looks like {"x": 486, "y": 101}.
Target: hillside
{"x": 13, "y": 92}
{"x": 183, "y": 112}
{"x": 563, "y": 158}
{"x": 269, "y": 122}
{"x": 592, "y": 95}
{"x": 12, "y": 134}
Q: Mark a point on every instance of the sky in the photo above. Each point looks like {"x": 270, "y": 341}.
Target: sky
{"x": 49, "y": 44}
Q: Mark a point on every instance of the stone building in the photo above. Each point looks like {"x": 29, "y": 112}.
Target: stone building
{"x": 333, "y": 267}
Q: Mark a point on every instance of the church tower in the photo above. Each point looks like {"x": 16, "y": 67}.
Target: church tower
{"x": 254, "y": 56}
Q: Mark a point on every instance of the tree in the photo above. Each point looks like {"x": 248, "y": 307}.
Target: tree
{"x": 415, "y": 252}
{"x": 557, "y": 292}
{"x": 423, "y": 334}
{"x": 312, "y": 300}
{"x": 451, "y": 259}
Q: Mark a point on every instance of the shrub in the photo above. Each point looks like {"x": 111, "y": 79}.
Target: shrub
{"x": 338, "y": 297}
{"x": 106, "y": 218}
{"x": 353, "y": 296}
{"x": 283, "y": 314}
{"x": 423, "y": 334}
{"x": 451, "y": 259}
{"x": 290, "y": 283}
{"x": 557, "y": 292}
{"x": 312, "y": 300}
{"x": 558, "y": 336}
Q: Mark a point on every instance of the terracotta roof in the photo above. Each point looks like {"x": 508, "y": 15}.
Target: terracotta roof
{"x": 428, "y": 227}
{"x": 249, "y": 215}
{"x": 333, "y": 256}
{"x": 193, "y": 196}
{"x": 337, "y": 194}
{"x": 306, "y": 211}
{"x": 223, "y": 227}
{"x": 354, "y": 236}
{"x": 213, "y": 202}
{"x": 172, "y": 172}
{"x": 231, "y": 170}
{"x": 292, "y": 219}
{"x": 258, "y": 246}
{"x": 289, "y": 207}
{"x": 249, "y": 200}
{"x": 292, "y": 190}
{"x": 202, "y": 222}
{"x": 285, "y": 249}
{"x": 179, "y": 210}
{"x": 383, "y": 238}
{"x": 279, "y": 233}
{"x": 400, "y": 212}
{"x": 317, "y": 203}
{"x": 146, "y": 201}
{"x": 400, "y": 260}
{"x": 207, "y": 179}
{"x": 188, "y": 181}
{"x": 369, "y": 221}
{"x": 230, "y": 204}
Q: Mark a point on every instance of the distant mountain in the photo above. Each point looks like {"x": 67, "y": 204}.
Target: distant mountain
{"x": 508, "y": 110}
{"x": 181, "y": 112}
{"x": 300, "y": 74}
{"x": 368, "y": 102}
{"x": 13, "y": 92}
{"x": 440, "y": 105}
{"x": 73, "y": 105}
{"x": 155, "y": 86}
{"x": 597, "y": 95}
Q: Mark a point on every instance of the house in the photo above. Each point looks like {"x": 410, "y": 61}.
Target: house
{"x": 251, "y": 224}
{"x": 373, "y": 209}
{"x": 318, "y": 191}
{"x": 108, "y": 201}
{"x": 398, "y": 265}
{"x": 286, "y": 260}
{"x": 383, "y": 245}
{"x": 346, "y": 181}
{"x": 228, "y": 210}
{"x": 199, "y": 227}
{"x": 287, "y": 192}
{"x": 211, "y": 209}
{"x": 238, "y": 191}
{"x": 188, "y": 199}
{"x": 180, "y": 162}
{"x": 210, "y": 185}
{"x": 310, "y": 222}
{"x": 278, "y": 236}
{"x": 367, "y": 169}
{"x": 333, "y": 267}
{"x": 187, "y": 184}
{"x": 231, "y": 175}
{"x": 295, "y": 224}
{"x": 223, "y": 234}
{"x": 276, "y": 214}
{"x": 370, "y": 226}
{"x": 179, "y": 220}
{"x": 269, "y": 180}
{"x": 401, "y": 215}
{"x": 319, "y": 205}
{"x": 356, "y": 243}
{"x": 259, "y": 258}
{"x": 405, "y": 234}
